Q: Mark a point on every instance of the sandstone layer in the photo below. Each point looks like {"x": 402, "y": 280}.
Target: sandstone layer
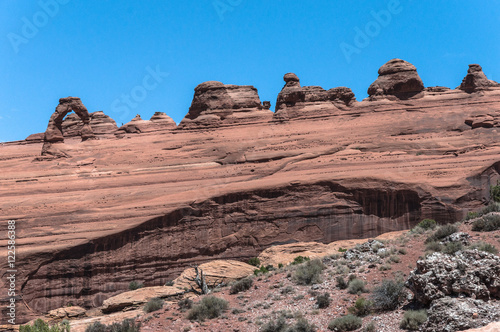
{"x": 111, "y": 213}
{"x": 158, "y": 122}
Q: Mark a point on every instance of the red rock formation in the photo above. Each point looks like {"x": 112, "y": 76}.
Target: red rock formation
{"x": 397, "y": 78}
{"x": 100, "y": 124}
{"x": 216, "y": 104}
{"x": 476, "y": 80}
{"x": 158, "y": 122}
{"x": 112, "y": 212}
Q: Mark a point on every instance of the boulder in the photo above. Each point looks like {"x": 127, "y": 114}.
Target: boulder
{"x": 457, "y": 314}
{"x": 397, "y": 78}
{"x": 215, "y": 104}
{"x": 476, "y": 80}
{"x": 138, "y": 297}
{"x": 67, "y": 312}
{"x": 463, "y": 238}
{"x": 470, "y": 272}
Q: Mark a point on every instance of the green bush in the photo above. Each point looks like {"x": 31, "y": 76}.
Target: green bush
{"x": 413, "y": 319}
{"x": 356, "y": 286}
{"x": 361, "y": 307}
{"x": 451, "y": 248}
{"x": 133, "y": 285}
{"x": 209, "y": 307}
{"x": 309, "y": 273}
{"x": 255, "y": 261}
{"x": 323, "y": 300}
{"x": 487, "y": 223}
{"x": 370, "y": 327}
{"x": 241, "y": 286}
{"x": 389, "y": 295}
{"x": 299, "y": 260}
{"x": 433, "y": 246}
{"x": 427, "y": 224}
{"x": 302, "y": 325}
{"x": 495, "y": 193}
{"x": 278, "y": 325}
{"x": 341, "y": 283}
{"x": 41, "y": 326}
{"x": 442, "y": 232}
{"x": 127, "y": 325}
{"x": 346, "y": 323}
{"x": 262, "y": 270}
{"x": 185, "y": 304}
{"x": 153, "y": 305}
{"x": 492, "y": 207}
{"x": 483, "y": 246}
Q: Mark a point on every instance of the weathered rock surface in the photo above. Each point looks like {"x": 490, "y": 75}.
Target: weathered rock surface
{"x": 457, "y": 314}
{"x": 216, "y": 104}
{"x": 470, "y": 272}
{"x": 488, "y": 120}
{"x": 100, "y": 123}
{"x": 67, "y": 312}
{"x": 138, "y": 297}
{"x": 397, "y": 78}
{"x": 163, "y": 202}
{"x": 463, "y": 238}
{"x": 295, "y": 101}
{"x": 493, "y": 327}
{"x": 476, "y": 80}
{"x": 158, "y": 122}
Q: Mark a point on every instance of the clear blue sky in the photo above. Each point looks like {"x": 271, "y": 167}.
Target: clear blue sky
{"x": 103, "y": 50}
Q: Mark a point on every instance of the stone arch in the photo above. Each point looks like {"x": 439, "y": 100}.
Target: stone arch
{"x": 54, "y": 133}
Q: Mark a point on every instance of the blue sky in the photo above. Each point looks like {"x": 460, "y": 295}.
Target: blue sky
{"x": 105, "y": 51}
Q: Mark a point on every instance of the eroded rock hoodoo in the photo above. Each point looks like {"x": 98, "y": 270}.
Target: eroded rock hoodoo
{"x": 158, "y": 122}
{"x": 54, "y": 132}
{"x": 397, "y": 78}
{"x": 215, "y": 104}
{"x": 476, "y": 80}
{"x": 296, "y": 101}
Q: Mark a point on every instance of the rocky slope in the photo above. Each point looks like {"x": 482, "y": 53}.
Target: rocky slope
{"x": 145, "y": 205}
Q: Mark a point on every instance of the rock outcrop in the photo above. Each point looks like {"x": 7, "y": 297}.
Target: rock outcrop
{"x": 457, "y": 314}
{"x": 476, "y": 80}
{"x": 135, "y": 298}
{"x": 54, "y": 132}
{"x": 470, "y": 272}
{"x": 397, "y": 78}
{"x": 216, "y": 104}
{"x": 100, "y": 124}
{"x": 295, "y": 101}
{"x": 488, "y": 120}
{"x": 158, "y": 122}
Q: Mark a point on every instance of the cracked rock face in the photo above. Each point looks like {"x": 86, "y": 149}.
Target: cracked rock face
{"x": 470, "y": 272}
{"x": 476, "y": 80}
{"x": 397, "y": 78}
{"x": 457, "y": 314}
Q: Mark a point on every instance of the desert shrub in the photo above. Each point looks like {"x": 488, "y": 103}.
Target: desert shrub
{"x": 255, "y": 261}
{"x": 413, "y": 319}
{"x": 127, "y": 325}
{"x": 309, "y": 273}
{"x": 451, "y": 248}
{"x": 487, "y": 223}
{"x": 341, "y": 283}
{"x": 388, "y": 295}
{"x": 346, "y": 323}
{"x": 483, "y": 246}
{"x": 433, "y": 246}
{"x": 185, "y": 304}
{"x": 262, "y": 270}
{"x": 427, "y": 224}
{"x": 361, "y": 307}
{"x": 342, "y": 249}
{"x": 471, "y": 215}
{"x": 356, "y": 286}
{"x": 495, "y": 193}
{"x": 323, "y": 300}
{"x": 370, "y": 327}
{"x": 241, "y": 286}
{"x": 41, "y": 326}
{"x": 299, "y": 260}
{"x": 492, "y": 207}
{"x": 395, "y": 259}
{"x": 402, "y": 251}
{"x": 133, "y": 285}
{"x": 278, "y": 325}
{"x": 153, "y": 305}
{"x": 442, "y": 232}
{"x": 280, "y": 265}
{"x": 302, "y": 325}
{"x": 208, "y": 308}
{"x": 385, "y": 267}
